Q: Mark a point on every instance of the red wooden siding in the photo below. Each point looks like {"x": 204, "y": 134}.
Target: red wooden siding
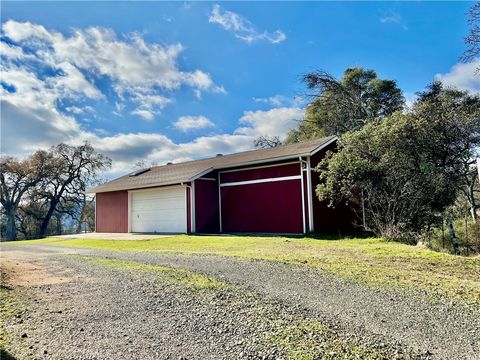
{"x": 206, "y": 205}
{"x": 325, "y": 218}
{"x": 260, "y": 173}
{"x": 112, "y": 212}
{"x": 274, "y": 207}
{"x": 330, "y": 220}
{"x": 268, "y": 207}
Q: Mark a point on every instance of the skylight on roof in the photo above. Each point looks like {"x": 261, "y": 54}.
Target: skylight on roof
{"x": 139, "y": 172}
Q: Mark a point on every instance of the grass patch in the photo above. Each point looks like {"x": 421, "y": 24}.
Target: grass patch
{"x": 8, "y": 309}
{"x": 310, "y": 339}
{"x": 185, "y": 278}
{"x": 370, "y": 261}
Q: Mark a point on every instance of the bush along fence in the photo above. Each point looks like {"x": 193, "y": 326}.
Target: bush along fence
{"x": 462, "y": 236}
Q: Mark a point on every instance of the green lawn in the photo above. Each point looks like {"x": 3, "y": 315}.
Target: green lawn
{"x": 369, "y": 261}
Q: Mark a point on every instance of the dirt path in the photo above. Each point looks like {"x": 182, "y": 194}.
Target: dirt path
{"x": 102, "y": 314}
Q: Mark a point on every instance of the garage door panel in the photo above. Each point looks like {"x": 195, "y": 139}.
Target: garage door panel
{"x": 263, "y": 207}
{"x": 157, "y": 194}
{"x": 160, "y": 210}
{"x": 148, "y": 205}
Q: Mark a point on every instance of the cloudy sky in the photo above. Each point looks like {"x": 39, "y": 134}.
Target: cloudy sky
{"x": 165, "y": 82}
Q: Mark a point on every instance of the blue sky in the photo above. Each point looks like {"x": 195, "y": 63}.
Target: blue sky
{"x": 162, "y": 81}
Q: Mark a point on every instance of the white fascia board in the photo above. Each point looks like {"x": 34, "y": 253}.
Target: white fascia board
{"x": 323, "y": 146}
{"x": 257, "y": 167}
{"x": 145, "y": 187}
{"x": 200, "y": 174}
{"x": 259, "y": 181}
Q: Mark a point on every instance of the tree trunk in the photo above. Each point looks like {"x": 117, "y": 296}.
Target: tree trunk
{"x": 10, "y": 229}
{"x": 456, "y": 249}
{"x": 46, "y": 219}
{"x": 58, "y": 219}
{"x": 80, "y": 219}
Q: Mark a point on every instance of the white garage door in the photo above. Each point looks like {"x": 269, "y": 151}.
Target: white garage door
{"x": 160, "y": 210}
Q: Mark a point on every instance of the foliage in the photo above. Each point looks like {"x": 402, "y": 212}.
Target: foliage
{"x": 347, "y": 104}
{"x": 439, "y": 240}
{"x": 76, "y": 168}
{"x": 370, "y": 261}
{"x": 454, "y": 120}
{"x": 16, "y": 178}
{"x": 408, "y": 167}
{"x": 38, "y": 192}
{"x": 29, "y": 216}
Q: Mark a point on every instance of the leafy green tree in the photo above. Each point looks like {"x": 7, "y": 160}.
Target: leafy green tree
{"x": 17, "y": 177}
{"x": 76, "y": 168}
{"x": 454, "y": 118}
{"x": 39, "y": 191}
{"x": 347, "y": 104}
{"x": 408, "y": 167}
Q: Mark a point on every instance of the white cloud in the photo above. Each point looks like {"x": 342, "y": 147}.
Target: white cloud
{"x": 28, "y": 125}
{"x": 274, "y": 122}
{"x": 150, "y": 104}
{"x": 464, "y": 76}
{"x": 126, "y": 149}
{"x": 139, "y": 71}
{"x": 49, "y": 70}
{"x": 145, "y": 114}
{"x": 242, "y": 27}
{"x": 281, "y": 101}
{"x": 13, "y": 52}
{"x": 277, "y": 100}
{"x": 72, "y": 82}
{"x": 187, "y": 123}
{"x": 31, "y": 120}
{"x": 79, "y": 110}
{"x": 21, "y": 31}
{"x": 393, "y": 18}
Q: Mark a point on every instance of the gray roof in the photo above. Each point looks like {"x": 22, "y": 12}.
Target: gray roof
{"x": 190, "y": 170}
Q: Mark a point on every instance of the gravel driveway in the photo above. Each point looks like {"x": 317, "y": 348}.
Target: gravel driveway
{"x": 95, "y": 312}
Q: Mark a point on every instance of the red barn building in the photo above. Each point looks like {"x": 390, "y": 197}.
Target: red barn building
{"x": 266, "y": 191}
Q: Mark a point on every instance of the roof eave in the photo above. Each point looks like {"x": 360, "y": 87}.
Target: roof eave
{"x": 146, "y": 186}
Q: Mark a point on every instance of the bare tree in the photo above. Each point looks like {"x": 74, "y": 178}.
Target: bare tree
{"x": 16, "y": 178}
{"x": 143, "y": 164}
{"x": 473, "y": 37}
{"x": 265, "y": 142}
